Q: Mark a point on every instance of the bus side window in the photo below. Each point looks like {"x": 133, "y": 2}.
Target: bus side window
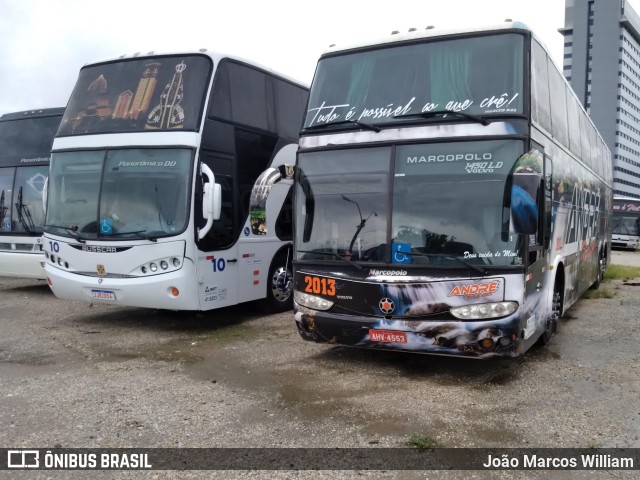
{"x": 548, "y": 202}
{"x": 222, "y": 233}
{"x": 284, "y": 223}
{"x": 254, "y": 151}
{"x": 536, "y": 239}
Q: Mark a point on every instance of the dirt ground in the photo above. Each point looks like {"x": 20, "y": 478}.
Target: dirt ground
{"x": 106, "y": 376}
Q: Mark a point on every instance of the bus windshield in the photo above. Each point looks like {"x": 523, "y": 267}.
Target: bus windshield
{"x": 136, "y": 95}
{"x": 25, "y": 146}
{"x": 626, "y": 225}
{"x": 478, "y": 76}
{"x": 447, "y": 203}
{"x": 116, "y": 194}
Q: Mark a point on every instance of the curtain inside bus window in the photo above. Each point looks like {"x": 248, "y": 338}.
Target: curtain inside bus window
{"x": 360, "y": 80}
{"x": 540, "y": 103}
{"x": 449, "y": 66}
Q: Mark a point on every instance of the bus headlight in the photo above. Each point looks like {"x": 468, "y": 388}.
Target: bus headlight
{"x": 311, "y": 301}
{"x": 153, "y": 267}
{"x": 484, "y": 310}
{"x": 164, "y": 265}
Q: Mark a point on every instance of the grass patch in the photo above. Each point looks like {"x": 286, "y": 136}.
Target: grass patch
{"x": 624, "y": 272}
{"x": 602, "y": 292}
{"x": 417, "y": 440}
{"x": 232, "y": 333}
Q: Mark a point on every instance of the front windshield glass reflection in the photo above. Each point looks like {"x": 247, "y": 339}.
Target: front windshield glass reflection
{"x": 27, "y": 205}
{"x": 143, "y": 193}
{"x": 448, "y": 202}
{"x": 626, "y": 225}
{"x": 342, "y": 205}
{"x": 448, "y": 205}
{"x": 480, "y": 75}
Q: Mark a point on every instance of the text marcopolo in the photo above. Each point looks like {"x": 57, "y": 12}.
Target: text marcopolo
{"x": 452, "y": 157}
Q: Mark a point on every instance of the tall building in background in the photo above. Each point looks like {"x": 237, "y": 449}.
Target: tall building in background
{"x": 602, "y": 63}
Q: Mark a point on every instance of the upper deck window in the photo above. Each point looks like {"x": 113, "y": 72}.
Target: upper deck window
{"x": 27, "y": 141}
{"x": 475, "y": 75}
{"x": 147, "y": 94}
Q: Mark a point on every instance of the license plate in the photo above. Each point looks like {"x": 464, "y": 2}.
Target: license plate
{"x": 386, "y": 336}
{"x": 103, "y": 294}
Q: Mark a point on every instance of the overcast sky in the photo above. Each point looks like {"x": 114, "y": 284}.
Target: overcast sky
{"x": 43, "y": 43}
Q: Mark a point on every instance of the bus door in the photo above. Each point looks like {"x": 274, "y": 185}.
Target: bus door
{"x": 530, "y": 219}
{"x": 218, "y": 250}
{"x": 540, "y": 242}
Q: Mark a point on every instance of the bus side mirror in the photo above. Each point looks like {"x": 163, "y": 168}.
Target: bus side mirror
{"x": 211, "y": 201}
{"x": 45, "y": 190}
{"x": 524, "y": 193}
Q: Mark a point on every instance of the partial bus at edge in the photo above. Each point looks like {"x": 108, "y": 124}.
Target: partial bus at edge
{"x": 161, "y": 190}
{"x": 625, "y": 230}
{"x": 25, "y": 149}
{"x": 452, "y": 196}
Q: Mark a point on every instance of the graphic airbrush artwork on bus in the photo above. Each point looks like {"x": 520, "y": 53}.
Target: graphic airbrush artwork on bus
{"x": 428, "y": 79}
{"x": 524, "y": 193}
{"x": 165, "y": 93}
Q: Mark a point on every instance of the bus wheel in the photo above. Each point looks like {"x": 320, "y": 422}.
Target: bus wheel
{"x": 602, "y": 267}
{"x": 280, "y": 285}
{"x": 556, "y": 313}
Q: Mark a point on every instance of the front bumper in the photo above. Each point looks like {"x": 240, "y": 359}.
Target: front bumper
{"x": 500, "y": 337}
{"x": 22, "y": 265}
{"x": 148, "y": 292}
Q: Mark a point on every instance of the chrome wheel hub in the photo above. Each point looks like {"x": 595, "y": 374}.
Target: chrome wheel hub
{"x": 281, "y": 284}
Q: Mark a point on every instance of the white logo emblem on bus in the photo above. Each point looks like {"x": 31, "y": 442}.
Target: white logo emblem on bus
{"x": 386, "y": 306}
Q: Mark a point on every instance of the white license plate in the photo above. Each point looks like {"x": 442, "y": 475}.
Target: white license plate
{"x": 103, "y": 294}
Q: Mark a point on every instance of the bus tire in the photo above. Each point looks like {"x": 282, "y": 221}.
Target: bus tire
{"x": 602, "y": 266}
{"x": 556, "y": 312}
{"x": 280, "y": 284}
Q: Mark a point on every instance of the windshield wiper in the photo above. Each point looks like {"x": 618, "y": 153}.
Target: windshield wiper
{"x": 333, "y": 254}
{"x": 444, "y": 113}
{"x": 3, "y": 209}
{"x": 72, "y": 231}
{"x": 139, "y": 233}
{"x": 24, "y": 215}
{"x": 355, "y": 123}
{"x": 362, "y": 223}
{"x": 477, "y": 268}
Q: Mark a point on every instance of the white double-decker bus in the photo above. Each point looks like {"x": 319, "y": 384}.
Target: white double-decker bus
{"x": 151, "y": 198}
{"x": 25, "y": 149}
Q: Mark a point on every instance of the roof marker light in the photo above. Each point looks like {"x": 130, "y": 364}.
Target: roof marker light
{"x": 395, "y": 32}
{"x": 412, "y": 29}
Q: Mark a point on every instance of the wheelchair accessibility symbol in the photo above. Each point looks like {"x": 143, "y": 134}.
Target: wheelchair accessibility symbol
{"x": 399, "y": 252}
{"x": 106, "y": 226}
